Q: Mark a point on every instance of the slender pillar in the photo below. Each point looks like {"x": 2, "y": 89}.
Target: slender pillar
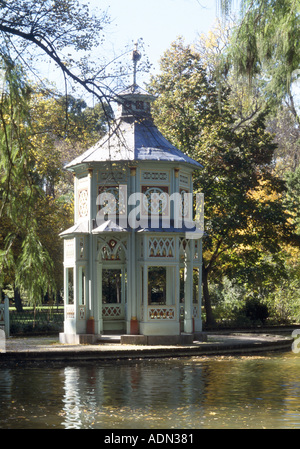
{"x": 145, "y": 291}
{"x": 99, "y": 290}
{"x": 188, "y": 300}
{"x": 91, "y": 249}
{"x": 134, "y": 325}
{"x": 198, "y": 323}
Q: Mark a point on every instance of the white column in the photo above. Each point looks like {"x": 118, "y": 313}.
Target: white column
{"x": 170, "y": 286}
{"x": 90, "y": 303}
{"x": 99, "y": 296}
{"x": 76, "y": 292}
{"x": 145, "y": 291}
{"x": 132, "y": 299}
{"x": 198, "y": 323}
{"x": 188, "y": 300}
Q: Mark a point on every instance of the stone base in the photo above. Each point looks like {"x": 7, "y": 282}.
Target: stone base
{"x": 147, "y": 340}
{"x": 165, "y": 340}
{"x": 200, "y": 336}
{"x": 77, "y": 339}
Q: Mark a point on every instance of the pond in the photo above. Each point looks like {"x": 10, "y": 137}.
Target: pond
{"x": 188, "y": 393}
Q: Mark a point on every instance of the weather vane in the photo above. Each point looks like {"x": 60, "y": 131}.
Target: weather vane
{"x": 136, "y": 56}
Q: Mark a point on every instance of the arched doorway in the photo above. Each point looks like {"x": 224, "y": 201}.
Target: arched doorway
{"x": 112, "y": 285}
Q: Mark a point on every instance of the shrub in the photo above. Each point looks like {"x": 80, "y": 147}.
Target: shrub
{"x": 255, "y": 310}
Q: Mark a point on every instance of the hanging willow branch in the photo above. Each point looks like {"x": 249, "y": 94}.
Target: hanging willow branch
{"x": 266, "y": 44}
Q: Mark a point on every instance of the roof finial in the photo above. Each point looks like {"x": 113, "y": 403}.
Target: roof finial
{"x": 136, "y": 56}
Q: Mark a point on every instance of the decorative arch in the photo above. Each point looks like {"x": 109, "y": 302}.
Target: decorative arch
{"x": 111, "y": 249}
{"x": 184, "y": 248}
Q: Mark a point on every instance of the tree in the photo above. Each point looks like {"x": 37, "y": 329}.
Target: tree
{"x": 292, "y": 199}
{"x": 265, "y": 43}
{"x": 249, "y": 98}
{"x": 30, "y": 162}
{"x": 62, "y": 126}
{"x": 36, "y": 195}
{"x": 20, "y": 190}
{"x": 35, "y": 29}
{"x": 237, "y": 160}
{"x": 287, "y": 135}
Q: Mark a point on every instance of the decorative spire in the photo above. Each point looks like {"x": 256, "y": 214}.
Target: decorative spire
{"x": 136, "y": 56}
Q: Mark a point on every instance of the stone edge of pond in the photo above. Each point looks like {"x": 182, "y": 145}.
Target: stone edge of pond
{"x": 243, "y": 344}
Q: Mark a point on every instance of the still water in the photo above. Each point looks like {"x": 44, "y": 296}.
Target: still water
{"x": 194, "y": 393}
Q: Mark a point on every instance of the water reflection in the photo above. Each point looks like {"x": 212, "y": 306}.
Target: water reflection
{"x": 225, "y": 392}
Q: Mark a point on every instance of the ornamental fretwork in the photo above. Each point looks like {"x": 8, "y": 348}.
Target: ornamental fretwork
{"x": 161, "y": 247}
{"x": 161, "y": 313}
{"x": 112, "y": 249}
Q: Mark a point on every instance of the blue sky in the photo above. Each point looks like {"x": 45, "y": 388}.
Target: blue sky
{"x": 158, "y": 22}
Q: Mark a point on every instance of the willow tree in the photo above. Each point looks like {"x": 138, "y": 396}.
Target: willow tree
{"x": 265, "y": 42}
{"x": 20, "y": 189}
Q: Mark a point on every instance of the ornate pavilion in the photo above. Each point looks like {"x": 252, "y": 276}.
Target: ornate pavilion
{"x": 132, "y": 261}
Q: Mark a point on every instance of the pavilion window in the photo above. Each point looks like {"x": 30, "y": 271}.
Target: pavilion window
{"x": 196, "y": 285}
{"x": 82, "y": 286}
{"x": 181, "y": 292}
{"x": 70, "y": 285}
{"x": 111, "y": 286}
{"x": 157, "y": 285}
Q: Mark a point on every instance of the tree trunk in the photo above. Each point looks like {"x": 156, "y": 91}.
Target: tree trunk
{"x": 210, "y": 320}
{"x": 18, "y": 300}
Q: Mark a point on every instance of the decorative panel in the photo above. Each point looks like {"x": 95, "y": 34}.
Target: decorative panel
{"x": 184, "y": 207}
{"x": 161, "y": 247}
{"x": 81, "y": 248}
{"x": 183, "y": 179}
{"x": 184, "y": 248}
{"x": 113, "y": 199}
{"x": 112, "y": 249}
{"x": 69, "y": 249}
{"x": 112, "y": 176}
{"x": 195, "y": 311}
{"x": 155, "y": 176}
{"x": 155, "y": 201}
{"x": 113, "y": 311}
{"x": 161, "y": 313}
{"x": 70, "y": 311}
{"x": 83, "y": 206}
{"x": 82, "y": 312}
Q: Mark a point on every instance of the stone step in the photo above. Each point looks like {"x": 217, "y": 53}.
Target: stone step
{"x": 109, "y": 339}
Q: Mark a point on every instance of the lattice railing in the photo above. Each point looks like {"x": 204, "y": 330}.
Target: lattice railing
{"x": 162, "y": 313}
{"x": 113, "y": 311}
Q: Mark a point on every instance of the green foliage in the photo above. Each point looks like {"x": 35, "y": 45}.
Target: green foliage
{"x": 292, "y": 199}
{"x": 37, "y": 135}
{"x": 227, "y": 300}
{"x": 255, "y": 310}
{"x": 20, "y": 186}
{"x": 34, "y": 269}
{"x": 41, "y": 319}
{"x": 266, "y": 43}
{"x": 244, "y": 213}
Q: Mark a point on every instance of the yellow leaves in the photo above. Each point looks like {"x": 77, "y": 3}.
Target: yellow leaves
{"x": 264, "y": 193}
